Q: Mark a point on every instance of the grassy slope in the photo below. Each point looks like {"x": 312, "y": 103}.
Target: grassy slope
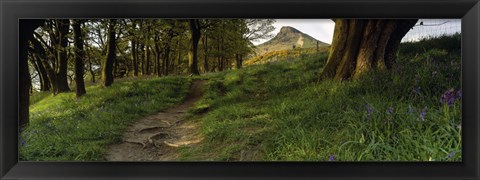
{"x": 276, "y": 111}
{"x": 279, "y": 111}
{"x": 282, "y": 55}
{"x": 65, "y": 128}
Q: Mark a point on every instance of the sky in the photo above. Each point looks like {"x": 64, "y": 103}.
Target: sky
{"x": 322, "y": 29}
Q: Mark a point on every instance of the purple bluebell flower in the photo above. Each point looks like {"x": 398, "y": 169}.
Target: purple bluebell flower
{"x": 22, "y": 142}
{"x": 331, "y": 158}
{"x": 448, "y": 97}
{"x": 451, "y": 155}
{"x": 369, "y": 110}
{"x": 458, "y": 95}
{"x": 423, "y": 113}
{"x": 390, "y": 110}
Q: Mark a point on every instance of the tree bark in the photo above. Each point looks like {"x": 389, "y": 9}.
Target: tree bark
{"x": 179, "y": 57}
{"x": 39, "y": 56}
{"x": 42, "y": 56}
{"x": 158, "y": 66}
{"x": 26, "y": 28}
{"x": 135, "y": 58}
{"x": 205, "y": 47}
{"x": 107, "y": 65}
{"x": 62, "y": 59}
{"x": 44, "y": 81}
{"x": 79, "y": 56}
{"x": 361, "y": 45}
{"x": 194, "y": 39}
{"x": 239, "y": 61}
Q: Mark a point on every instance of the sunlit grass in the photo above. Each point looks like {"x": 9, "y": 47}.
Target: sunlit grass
{"x": 275, "y": 111}
{"x": 279, "y": 111}
{"x": 65, "y": 128}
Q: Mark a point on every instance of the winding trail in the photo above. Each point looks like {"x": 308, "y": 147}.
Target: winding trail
{"x": 157, "y": 137}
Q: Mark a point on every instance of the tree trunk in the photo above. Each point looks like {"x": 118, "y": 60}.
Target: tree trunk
{"x": 361, "y": 45}
{"x": 135, "y": 58}
{"x": 194, "y": 39}
{"x": 79, "y": 56}
{"x": 239, "y": 60}
{"x": 167, "y": 60}
{"x": 205, "y": 47}
{"x": 44, "y": 81}
{"x": 42, "y": 56}
{"x": 107, "y": 65}
{"x": 38, "y": 57}
{"x": 179, "y": 65}
{"x": 61, "y": 71}
{"x": 26, "y": 28}
{"x": 90, "y": 68}
{"x": 158, "y": 66}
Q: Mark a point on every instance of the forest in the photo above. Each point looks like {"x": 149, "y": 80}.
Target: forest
{"x": 195, "y": 89}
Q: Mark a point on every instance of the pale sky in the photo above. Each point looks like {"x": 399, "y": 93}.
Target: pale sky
{"x": 322, "y": 29}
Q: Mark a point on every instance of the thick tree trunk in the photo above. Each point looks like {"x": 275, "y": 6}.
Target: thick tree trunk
{"x": 79, "y": 56}
{"x": 61, "y": 71}
{"x": 361, "y": 45}
{"x": 107, "y": 65}
{"x": 194, "y": 39}
{"x": 26, "y": 28}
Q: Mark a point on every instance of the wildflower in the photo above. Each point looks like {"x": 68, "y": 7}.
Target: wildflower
{"x": 369, "y": 110}
{"x": 451, "y": 155}
{"x": 331, "y": 158}
{"x": 390, "y": 110}
{"x": 423, "y": 113}
{"x": 22, "y": 142}
{"x": 449, "y": 97}
{"x": 458, "y": 95}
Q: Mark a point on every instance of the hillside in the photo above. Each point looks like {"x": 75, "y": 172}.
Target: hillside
{"x": 265, "y": 112}
{"x": 287, "y": 38}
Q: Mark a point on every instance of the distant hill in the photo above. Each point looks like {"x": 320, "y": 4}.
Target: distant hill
{"x": 288, "y": 38}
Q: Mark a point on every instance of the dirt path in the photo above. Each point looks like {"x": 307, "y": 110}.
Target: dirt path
{"x": 157, "y": 137}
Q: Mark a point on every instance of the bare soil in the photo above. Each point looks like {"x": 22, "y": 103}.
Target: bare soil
{"x": 157, "y": 137}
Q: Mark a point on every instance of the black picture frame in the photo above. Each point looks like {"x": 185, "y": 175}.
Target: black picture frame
{"x": 14, "y": 10}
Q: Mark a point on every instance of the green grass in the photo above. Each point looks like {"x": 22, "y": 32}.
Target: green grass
{"x": 64, "y": 128}
{"x": 279, "y": 111}
{"x": 275, "y": 111}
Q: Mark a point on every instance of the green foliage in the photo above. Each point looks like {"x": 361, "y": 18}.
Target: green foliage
{"x": 65, "y": 128}
{"x": 279, "y": 111}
